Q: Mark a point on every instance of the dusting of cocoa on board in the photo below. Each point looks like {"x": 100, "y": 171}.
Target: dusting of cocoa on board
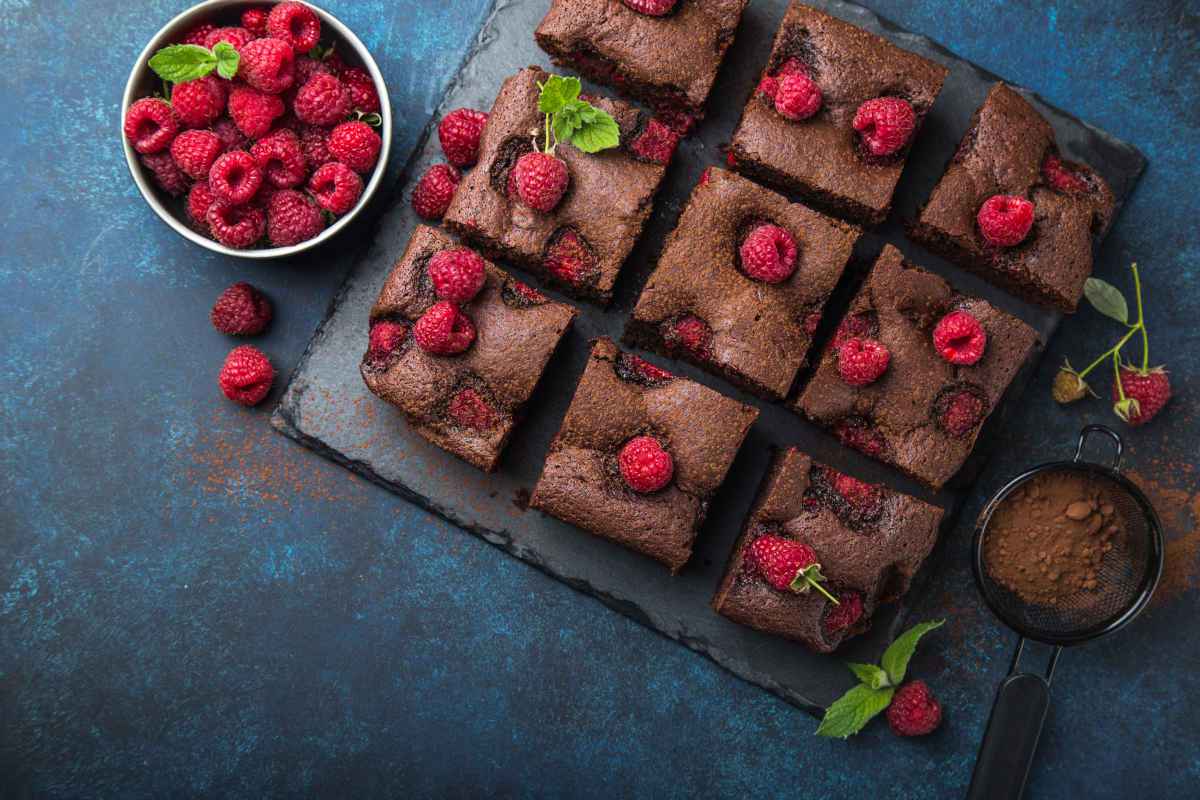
{"x": 1178, "y": 508}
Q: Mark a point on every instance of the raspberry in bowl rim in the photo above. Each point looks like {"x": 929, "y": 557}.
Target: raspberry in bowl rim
{"x": 142, "y": 82}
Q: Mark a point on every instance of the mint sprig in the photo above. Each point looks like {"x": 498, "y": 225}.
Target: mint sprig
{"x": 850, "y": 713}
{"x": 180, "y": 63}
{"x": 575, "y": 121}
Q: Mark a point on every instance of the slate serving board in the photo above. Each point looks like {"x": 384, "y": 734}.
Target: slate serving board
{"x": 327, "y": 407}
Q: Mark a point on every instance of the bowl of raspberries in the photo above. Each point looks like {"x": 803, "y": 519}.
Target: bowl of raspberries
{"x": 256, "y": 129}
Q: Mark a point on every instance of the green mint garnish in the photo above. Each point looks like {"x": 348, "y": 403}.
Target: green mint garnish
{"x": 569, "y": 119}
{"x": 900, "y": 652}
{"x": 228, "y": 60}
{"x": 180, "y": 63}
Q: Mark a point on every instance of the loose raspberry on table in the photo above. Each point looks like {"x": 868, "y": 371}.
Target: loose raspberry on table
{"x": 364, "y": 96}
{"x": 960, "y": 412}
{"x": 1062, "y": 177}
{"x": 268, "y": 65}
{"x": 786, "y": 564}
{"x": 355, "y": 144}
{"x": 235, "y": 176}
{"x": 570, "y": 259}
{"x": 797, "y": 97}
{"x": 237, "y": 37}
{"x": 292, "y": 218}
{"x": 865, "y": 499}
{"x": 652, "y": 8}
{"x": 769, "y": 254}
{"x": 1146, "y": 393}
{"x": 246, "y": 375}
{"x": 656, "y": 143}
{"x": 200, "y": 102}
{"x": 885, "y": 124}
{"x": 199, "y": 198}
{"x": 1005, "y": 220}
{"x": 645, "y": 465}
{"x": 434, "y": 191}
{"x": 198, "y": 34}
{"x": 241, "y": 310}
{"x": 231, "y": 137}
{"x": 150, "y": 125}
{"x": 236, "y": 226}
{"x": 846, "y": 613}
{"x": 960, "y": 338}
{"x": 457, "y": 274}
{"x": 335, "y": 187}
{"x": 692, "y": 334}
{"x": 862, "y": 361}
{"x": 444, "y": 330}
{"x": 281, "y": 159}
{"x": 323, "y": 100}
{"x": 296, "y": 24}
{"x": 459, "y": 133}
{"x": 914, "y": 710}
{"x": 255, "y": 21}
{"x": 253, "y": 111}
{"x": 469, "y": 410}
{"x": 540, "y": 180}
{"x": 195, "y": 151}
{"x": 385, "y": 340}
{"x": 166, "y": 173}
{"x": 861, "y": 435}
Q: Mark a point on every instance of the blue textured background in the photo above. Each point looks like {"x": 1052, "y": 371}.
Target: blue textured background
{"x": 191, "y": 605}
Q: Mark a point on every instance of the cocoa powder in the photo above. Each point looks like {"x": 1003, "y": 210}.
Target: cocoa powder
{"x": 1047, "y": 539}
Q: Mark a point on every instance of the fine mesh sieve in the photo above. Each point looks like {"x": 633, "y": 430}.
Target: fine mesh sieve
{"x": 1125, "y": 581}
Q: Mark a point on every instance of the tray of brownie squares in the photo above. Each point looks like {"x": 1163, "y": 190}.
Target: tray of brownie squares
{"x": 721, "y": 333}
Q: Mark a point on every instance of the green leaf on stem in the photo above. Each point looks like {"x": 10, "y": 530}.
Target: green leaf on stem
{"x": 870, "y": 675}
{"x": 900, "y": 652}
{"x": 853, "y": 710}
{"x": 180, "y": 63}
{"x": 228, "y": 60}
{"x": 1107, "y": 299}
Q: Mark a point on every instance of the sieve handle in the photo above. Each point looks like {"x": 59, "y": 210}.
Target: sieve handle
{"x": 1011, "y": 740}
{"x": 1104, "y": 431}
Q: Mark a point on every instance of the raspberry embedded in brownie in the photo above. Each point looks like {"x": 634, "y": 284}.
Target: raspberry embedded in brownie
{"x": 755, "y": 270}
{"x": 462, "y": 393}
{"x": 1013, "y": 210}
{"x": 845, "y": 157}
{"x": 950, "y": 359}
{"x": 668, "y": 61}
{"x": 582, "y": 242}
{"x": 868, "y": 540}
{"x": 640, "y": 454}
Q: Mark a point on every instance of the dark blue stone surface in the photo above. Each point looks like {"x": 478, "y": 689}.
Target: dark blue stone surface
{"x": 193, "y": 605}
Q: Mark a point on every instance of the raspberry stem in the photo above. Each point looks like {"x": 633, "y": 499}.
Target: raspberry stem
{"x": 1134, "y": 329}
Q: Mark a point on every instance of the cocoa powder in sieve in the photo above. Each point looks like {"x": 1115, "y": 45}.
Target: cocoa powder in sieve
{"x": 1047, "y": 539}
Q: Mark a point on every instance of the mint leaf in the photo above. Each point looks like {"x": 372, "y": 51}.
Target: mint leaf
{"x": 598, "y": 132}
{"x": 896, "y": 657}
{"x": 850, "y": 712}
{"x": 1107, "y": 299}
{"x": 557, "y": 92}
{"x": 228, "y": 60}
{"x": 566, "y": 122}
{"x": 870, "y": 675}
{"x": 180, "y": 63}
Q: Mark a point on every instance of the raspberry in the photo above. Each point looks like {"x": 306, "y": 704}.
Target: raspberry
{"x": 656, "y": 143}
{"x": 167, "y": 174}
{"x": 231, "y": 137}
{"x": 861, "y": 362}
{"x": 865, "y": 499}
{"x": 198, "y": 34}
{"x": 335, "y": 187}
{"x": 470, "y": 410}
{"x": 960, "y": 338}
{"x": 255, "y": 21}
{"x": 521, "y": 295}
{"x": 434, "y": 191}
{"x": 323, "y": 100}
{"x": 364, "y": 96}
{"x": 1146, "y": 393}
{"x": 769, "y": 85}
{"x": 798, "y": 97}
{"x": 459, "y": 133}
{"x": 199, "y": 199}
{"x": 960, "y": 412}
{"x": 457, "y": 274}
{"x": 692, "y": 334}
{"x": 305, "y": 70}
{"x": 235, "y": 176}
{"x": 705, "y": 177}
{"x": 1005, "y": 219}
{"x": 150, "y": 125}
{"x": 444, "y": 330}
{"x": 652, "y": 8}
{"x": 333, "y": 60}
{"x": 632, "y": 368}
{"x": 238, "y": 37}
{"x": 296, "y": 24}
{"x": 540, "y": 180}
{"x": 292, "y": 218}
{"x": 786, "y": 564}
{"x": 236, "y": 226}
{"x": 570, "y": 259}
{"x": 314, "y": 140}
{"x": 769, "y": 254}
{"x": 1062, "y": 177}
{"x": 385, "y": 341}
{"x": 268, "y": 65}
{"x": 861, "y": 435}
{"x": 914, "y": 711}
{"x": 848, "y": 611}
{"x": 253, "y": 111}
{"x": 241, "y": 310}
{"x": 281, "y": 159}
{"x": 885, "y": 124}
{"x": 355, "y": 144}
{"x": 198, "y": 103}
{"x": 645, "y": 466}
{"x": 246, "y": 376}
{"x": 195, "y": 151}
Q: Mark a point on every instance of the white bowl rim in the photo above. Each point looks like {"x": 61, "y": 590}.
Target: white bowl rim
{"x": 143, "y": 181}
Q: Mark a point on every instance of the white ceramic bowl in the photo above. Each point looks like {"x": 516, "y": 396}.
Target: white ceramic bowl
{"x": 143, "y": 82}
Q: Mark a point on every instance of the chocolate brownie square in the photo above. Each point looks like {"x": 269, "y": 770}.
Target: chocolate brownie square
{"x": 824, "y": 157}
{"x": 668, "y": 62}
{"x": 869, "y": 541}
{"x": 468, "y": 403}
{"x": 592, "y": 469}
{"x": 754, "y": 332}
{"x": 583, "y": 242}
{"x": 1010, "y": 150}
{"x": 949, "y": 358}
